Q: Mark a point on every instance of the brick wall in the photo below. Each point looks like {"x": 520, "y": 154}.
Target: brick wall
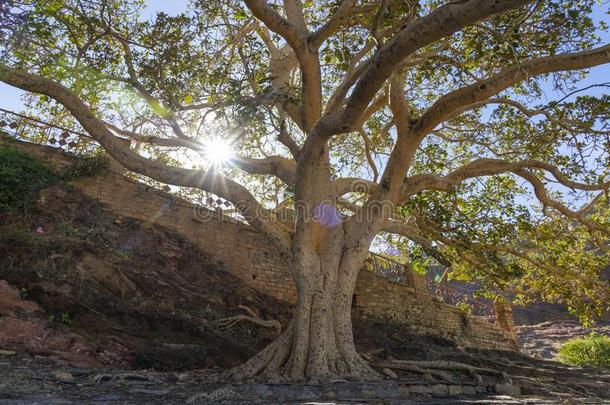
{"x": 246, "y": 254}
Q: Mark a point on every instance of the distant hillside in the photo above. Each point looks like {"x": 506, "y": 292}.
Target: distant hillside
{"x": 531, "y": 314}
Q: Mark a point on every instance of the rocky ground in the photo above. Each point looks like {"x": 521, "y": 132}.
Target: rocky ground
{"x": 544, "y": 340}
{"x": 26, "y": 379}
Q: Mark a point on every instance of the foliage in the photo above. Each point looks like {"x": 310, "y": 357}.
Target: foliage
{"x": 465, "y": 307}
{"x": 592, "y": 350}
{"x": 45, "y": 255}
{"x": 85, "y": 165}
{"x": 21, "y": 177}
{"x": 23, "y": 293}
{"x": 63, "y": 317}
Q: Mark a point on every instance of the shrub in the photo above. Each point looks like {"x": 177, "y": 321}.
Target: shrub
{"x": 86, "y": 165}
{"x": 21, "y": 177}
{"x": 465, "y": 307}
{"x": 592, "y": 350}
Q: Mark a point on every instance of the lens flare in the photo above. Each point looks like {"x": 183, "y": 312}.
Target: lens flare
{"x": 218, "y": 151}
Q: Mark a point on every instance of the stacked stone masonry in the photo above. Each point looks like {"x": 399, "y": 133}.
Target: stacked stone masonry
{"x": 243, "y": 252}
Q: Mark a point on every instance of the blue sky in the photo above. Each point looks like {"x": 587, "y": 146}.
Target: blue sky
{"x": 10, "y": 98}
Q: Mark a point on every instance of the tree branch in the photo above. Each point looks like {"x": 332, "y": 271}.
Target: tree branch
{"x": 441, "y": 22}
{"x": 278, "y": 166}
{"x": 333, "y": 24}
{"x": 210, "y": 181}
{"x": 369, "y": 155}
{"x": 475, "y": 93}
{"x": 565, "y": 124}
{"x": 311, "y": 81}
{"x": 547, "y": 201}
{"x": 156, "y": 106}
{"x": 411, "y": 232}
{"x": 487, "y": 167}
{"x": 288, "y": 141}
{"x": 354, "y": 70}
{"x": 275, "y": 22}
{"x": 294, "y": 13}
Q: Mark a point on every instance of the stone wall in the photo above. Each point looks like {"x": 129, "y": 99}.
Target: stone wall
{"x": 235, "y": 246}
{"x": 377, "y": 297}
{"x": 246, "y": 254}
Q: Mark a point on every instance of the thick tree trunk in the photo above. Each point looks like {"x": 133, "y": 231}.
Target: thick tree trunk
{"x": 318, "y": 343}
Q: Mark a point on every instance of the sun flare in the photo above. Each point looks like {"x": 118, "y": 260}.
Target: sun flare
{"x": 218, "y": 151}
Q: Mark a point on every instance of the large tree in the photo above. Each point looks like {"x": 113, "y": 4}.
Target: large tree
{"x": 350, "y": 119}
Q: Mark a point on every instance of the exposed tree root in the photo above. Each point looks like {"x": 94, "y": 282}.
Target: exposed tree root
{"x": 427, "y": 373}
{"x": 449, "y": 365}
{"x": 213, "y": 396}
{"x": 231, "y": 321}
{"x": 123, "y": 377}
{"x": 437, "y": 368}
{"x": 277, "y": 363}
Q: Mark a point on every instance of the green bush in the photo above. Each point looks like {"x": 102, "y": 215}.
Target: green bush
{"x": 85, "y": 165}
{"x": 21, "y": 177}
{"x": 592, "y": 350}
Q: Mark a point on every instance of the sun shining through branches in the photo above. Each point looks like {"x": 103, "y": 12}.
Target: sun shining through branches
{"x": 218, "y": 151}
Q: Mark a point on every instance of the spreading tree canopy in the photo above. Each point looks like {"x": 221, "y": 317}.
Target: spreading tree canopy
{"x": 459, "y": 131}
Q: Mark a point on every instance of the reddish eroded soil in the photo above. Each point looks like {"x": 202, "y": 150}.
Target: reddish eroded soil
{"x": 24, "y": 326}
